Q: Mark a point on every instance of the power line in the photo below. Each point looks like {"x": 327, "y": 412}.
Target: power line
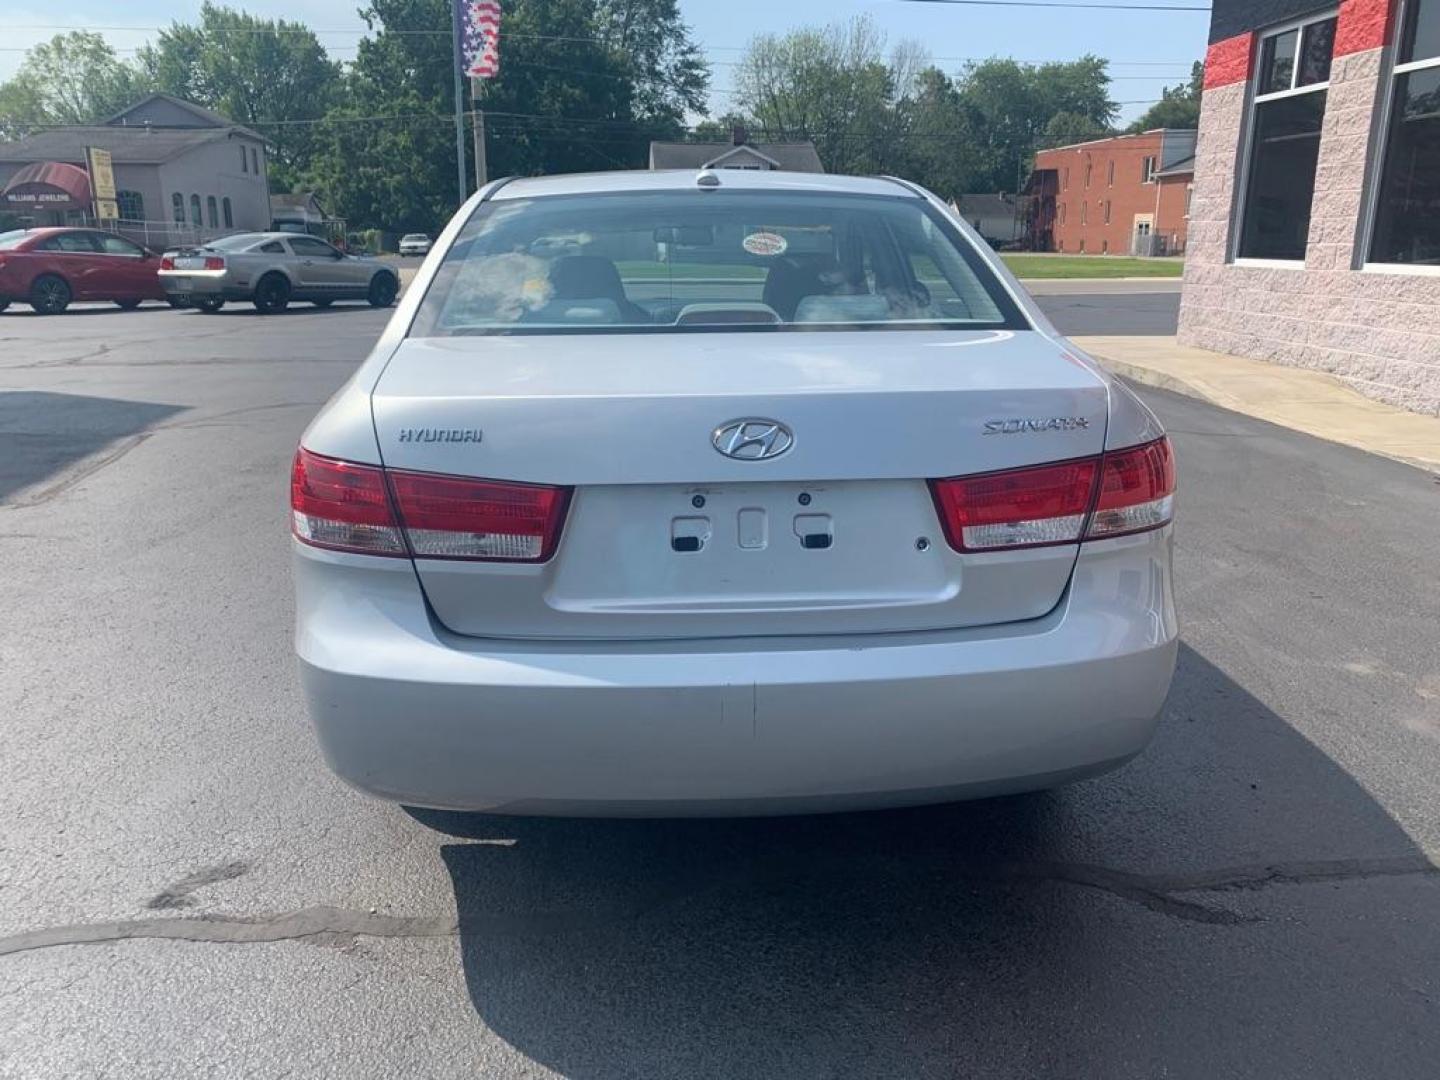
{"x": 1182, "y": 66}
{"x": 640, "y": 127}
{"x": 576, "y": 39}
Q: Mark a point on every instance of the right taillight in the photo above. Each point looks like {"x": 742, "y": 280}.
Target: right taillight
{"x": 1030, "y": 507}
{"x": 371, "y": 511}
{"x": 1137, "y": 490}
{"x": 1120, "y": 492}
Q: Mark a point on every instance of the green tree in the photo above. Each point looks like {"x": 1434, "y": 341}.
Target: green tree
{"x": 273, "y": 75}
{"x": 1012, "y": 107}
{"x": 940, "y": 140}
{"x": 665, "y": 66}
{"x": 386, "y": 154}
{"x": 1069, "y": 127}
{"x": 718, "y": 129}
{"x": 73, "y": 78}
{"x": 833, "y": 85}
{"x": 1178, "y": 107}
{"x": 583, "y": 84}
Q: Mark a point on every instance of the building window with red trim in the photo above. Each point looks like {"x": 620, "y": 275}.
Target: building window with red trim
{"x": 1407, "y": 200}
{"x": 1291, "y": 84}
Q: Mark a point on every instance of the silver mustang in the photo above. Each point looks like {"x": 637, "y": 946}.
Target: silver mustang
{"x": 727, "y": 493}
{"x": 272, "y": 269}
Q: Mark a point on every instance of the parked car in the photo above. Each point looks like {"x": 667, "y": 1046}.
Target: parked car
{"x": 50, "y": 268}
{"x": 270, "y": 270}
{"x": 756, "y": 532}
{"x": 415, "y": 244}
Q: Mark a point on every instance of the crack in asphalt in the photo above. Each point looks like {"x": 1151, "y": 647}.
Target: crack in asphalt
{"x": 74, "y": 476}
{"x": 332, "y": 925}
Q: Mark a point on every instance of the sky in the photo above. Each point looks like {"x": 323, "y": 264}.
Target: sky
{"x": 1148, "y": 50}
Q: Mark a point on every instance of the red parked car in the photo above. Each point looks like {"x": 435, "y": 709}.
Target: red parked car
{"x": 48, "y": 268}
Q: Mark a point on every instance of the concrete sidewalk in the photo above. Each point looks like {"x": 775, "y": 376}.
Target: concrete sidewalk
{"x": 1296, "y": 398}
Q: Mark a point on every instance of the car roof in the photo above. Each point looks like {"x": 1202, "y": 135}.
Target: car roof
{"x": 53, "y": 230}
{"x": 685, "y": 180}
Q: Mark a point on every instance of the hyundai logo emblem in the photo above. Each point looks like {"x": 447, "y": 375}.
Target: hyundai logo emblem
{"x": 753, "y": 439}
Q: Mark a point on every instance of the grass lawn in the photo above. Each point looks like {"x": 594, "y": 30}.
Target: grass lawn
{"x": 1091, "y": 266}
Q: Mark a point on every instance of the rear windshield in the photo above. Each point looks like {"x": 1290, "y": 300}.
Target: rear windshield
{"x": 235, "y": 243}
{"x": 657, "y": 262}
{"x": 11, "y": 239}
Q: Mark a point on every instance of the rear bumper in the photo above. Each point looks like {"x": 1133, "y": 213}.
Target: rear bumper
{"x": 408, "y": 712}
{"x": 202, "y": 284}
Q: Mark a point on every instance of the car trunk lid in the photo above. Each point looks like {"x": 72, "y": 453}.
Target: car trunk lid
{"x": 668, "y": 537}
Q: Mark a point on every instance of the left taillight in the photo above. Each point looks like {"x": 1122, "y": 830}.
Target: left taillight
{"x": 365, "y": 509}
{"x": 342, "y": 506}
{"x": 455, "y": 517}
{"x": 167, "y": 262}
{"x": 1118, "y": 493}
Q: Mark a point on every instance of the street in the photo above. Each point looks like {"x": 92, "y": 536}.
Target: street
{"x": 1110, "y": 307}
{"x": 1254, "y": 896}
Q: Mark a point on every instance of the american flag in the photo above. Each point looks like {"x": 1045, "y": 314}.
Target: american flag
{"x": 479, "y": 31}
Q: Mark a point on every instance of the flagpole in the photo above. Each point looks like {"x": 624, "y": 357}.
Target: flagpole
{"x": 481, "y": 169}
{"x": 455, "y": 32}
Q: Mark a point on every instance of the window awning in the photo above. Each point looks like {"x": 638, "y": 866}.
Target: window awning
{"x": 48, "y": 185}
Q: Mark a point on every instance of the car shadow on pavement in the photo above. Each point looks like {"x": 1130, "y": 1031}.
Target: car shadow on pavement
{"x": 1177, "y": 918}
{"x": 48, "y": 439}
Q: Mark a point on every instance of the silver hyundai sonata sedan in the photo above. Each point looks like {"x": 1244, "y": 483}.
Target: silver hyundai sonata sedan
{"x": 727, "y": 493}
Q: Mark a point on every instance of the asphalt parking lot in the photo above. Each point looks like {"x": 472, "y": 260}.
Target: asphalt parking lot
{"x": 186, "y": 891}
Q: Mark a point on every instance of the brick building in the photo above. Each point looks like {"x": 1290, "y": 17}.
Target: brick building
{"x": 1315, "y": 223}
{"x": 1120, "y": 195}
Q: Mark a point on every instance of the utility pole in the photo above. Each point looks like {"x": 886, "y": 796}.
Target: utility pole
{"x": 481, "y": 166}
{"x": 456, "y": 31}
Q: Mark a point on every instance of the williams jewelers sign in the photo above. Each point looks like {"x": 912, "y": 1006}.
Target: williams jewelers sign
{"x": 47, "y": 185}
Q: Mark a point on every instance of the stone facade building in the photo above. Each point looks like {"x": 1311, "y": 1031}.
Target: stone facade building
{"x": 1315, "y": 220}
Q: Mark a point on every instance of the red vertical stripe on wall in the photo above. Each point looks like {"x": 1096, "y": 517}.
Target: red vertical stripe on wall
{"x": 1228, "y": 61}
{"x": 1364, "y": 24}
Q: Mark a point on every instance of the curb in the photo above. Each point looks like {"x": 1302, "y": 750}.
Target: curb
{"x": 1176, "y": 384}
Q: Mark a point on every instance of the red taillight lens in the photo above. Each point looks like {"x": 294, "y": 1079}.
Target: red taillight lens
{"x": 1027, "y": 507}
{"x": 167, "y": 263}
{"x": 1137, "y": 491}
{"x": 341, "y": 506}
{"x": 214, "y": 262}
{"x": 1051, "y": 504}
{"x": 346, "y": 507}
{"x": 453, "y": 517}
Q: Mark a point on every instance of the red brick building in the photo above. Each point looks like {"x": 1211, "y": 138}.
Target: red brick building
{"x": 1127, "y": 194}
